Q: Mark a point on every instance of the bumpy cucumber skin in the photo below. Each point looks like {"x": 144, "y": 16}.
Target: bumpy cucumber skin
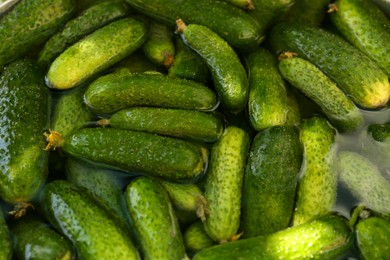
{"x": 270, "y": 181}
{"x": 111, "y": 93}
{"x": 317, "y": 188}
{"x": 267, "y": 104}
{"x": 294, "y": 114}
{"x": 29, "y": 24}
{"x": 307, "y": 12}
{"x": 154, "y": 220}
{"x": 6, "y": 250}
{"x": 24, "y": 109}
{"x": 96, "y": 52}
{"x": 370, "y": 236}
{"x": 91, "y": 19}
{"x": 138, "y": 152}
{"x": 363, "y": 24}
{"x": 135, "y": 63}
{"x": 327, "y": 237}
{"x": 90, "y": 227}
{"x": 306, "y": 77}
{"x": 228, "y": 73}
{"x": 234, "y": 25}
{"x": 196, "y": 239}
{"x": 365, "y": 181}
{"x": 224, "y": 183}
{"x": 356, "y": 74}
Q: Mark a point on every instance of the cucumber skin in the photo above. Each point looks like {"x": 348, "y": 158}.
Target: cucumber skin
{"x": 24, "y": 100}
{"x": 307, "y": 12}
{"x": 111, "y": 93}
{"x": 327, "y": 237}
{"x": 29, "y": 24}
{"x": 224, "y": 183}
{"x": 137, "y": 152}
{"x": 154, "y": 220}
{"x": 96, "y": 52}
{"x": 196, "y": 239}
{"x": 92, "y": 230}
{"x": 356, "y": 74}
{"x": 6, "y": 250}
{"x": 270, "y": 181}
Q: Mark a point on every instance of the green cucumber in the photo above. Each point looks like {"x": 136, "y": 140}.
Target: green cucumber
{"x": 228, "y": 73}
{"x": 294, "y": 112}
{"x": 307, "y": 12}
{"x": 243, "y": 4}
{"x": 138, "y": 152}
{"x": 135, "y": 63}
{"x": 229, "y": 22}
{"x": 24, "y": 108}
{"x": 111, "y": 93}
{"x": 6, "y": 250}
{"x": 89, "y": 20}
{"x": 306, "y": 77}
{"x": 363, "y": 24}
{"x": 92, "y": 230}
{"x": 270, "y": 181}
{"x": 317, "y": 188}
{"x": 328, "y": 237}
{"x": 224, "y": 183}
{"x": 154, "y": 221}
{"x": 384, "y": 5}
{"x": 267, "y": 104}
{"x": 196, "y": 238}
{"x": 355, "y": 73}
{"x": 29, "y": 24}
{"x": 96, "y": 52}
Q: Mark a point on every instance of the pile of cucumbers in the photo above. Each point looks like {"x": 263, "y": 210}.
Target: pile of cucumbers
{"x": 196, "y": 129}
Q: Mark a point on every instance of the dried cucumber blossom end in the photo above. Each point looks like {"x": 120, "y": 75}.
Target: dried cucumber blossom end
{"x": 20, "y": 209}
{"x": 54, "y": 140}
{"x": 332, "y": 8}
{"x": 287, "y": 55}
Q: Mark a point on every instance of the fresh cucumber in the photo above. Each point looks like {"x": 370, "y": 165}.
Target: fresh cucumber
{"x": 384, "y": 5}
{"x": 136, "y": 62}
{"x": 196, "y": 238}
{"x": 307, "y": 12}
{"x": 294, "y": 113}
{"x": 6, "y": 250}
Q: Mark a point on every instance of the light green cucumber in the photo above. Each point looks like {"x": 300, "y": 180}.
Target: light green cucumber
{"x": 228, "y": 73}
{"x": 96, "y": 52}
{"x": 196, "y": 238}
{"x": 6, "y": 250}
{"x": 307, "y": 12}
{"x": 306, "y": 77}
{"x": 224, "y": 183}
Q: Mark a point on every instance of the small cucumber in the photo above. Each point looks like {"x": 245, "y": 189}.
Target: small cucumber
{"x": 270, "y": 181}
{"x": 6, "y": 250}
{"x": 96, "y": 52}
{"x": 228, "y": 73}
{"x": 307, "y": 12}
{"x": 317, "y": 188}
{"x": 196, "y": 238}
{"x": 224, "y": 183}
{"x": 92, "y": 230}
{"x": 294, "y": 113}
{"x": 154, "y": 220}
{"x": 113, "y": 92}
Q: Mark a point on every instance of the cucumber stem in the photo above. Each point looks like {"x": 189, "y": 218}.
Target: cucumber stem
{"x": 180, "y": 26}
{"x": 332, "y": 8}
{"x": 20, "y": 209}
{"x": 54, "y": 140}
{"x": 287, "y": 55}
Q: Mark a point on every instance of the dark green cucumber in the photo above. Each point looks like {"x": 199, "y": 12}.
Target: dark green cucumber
{"x": 29, "y": 24}
{"x": 154, "y": 221}
{"x": 363, "y": 24}
{"x": 24, "y": 109}
{"x": 306, "y": 77}
{"x": 294, "y": 112}
{"x": 228, "y": 73}
{"x": 135, "y": 63}
{"x": 355, "y": 73}
{"x": 234, "y": 25}
{"x": 111, "y": 93}
{"x": 384, "y": 5}
{"x": 89, "y": 20}
{"x": 267, "y": 104}
{"x": 224, "y": 183}
{"x": 270, "y": 181}
{"x": 243, "y": 4}
{"x": 307, "y": 12}
{"x": 92, "y": 230}
{"x": 187, "y": 124}
{"x": 196, "y": 238}
{"x": 138, "y": 152}
{"x": 328, "y": 237}
{"x": 96, "y": 52}
{"x": 6, "y": 250}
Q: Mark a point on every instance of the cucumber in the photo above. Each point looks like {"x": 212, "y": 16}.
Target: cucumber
{"x": 363, "y": 24}
{"x": 224, "y": 183}
{"x": 356, "y": 74}
{"x": 228, "y": 73}
{"x": 270, "y": 181}
{"x": 186, "y": 124}
{"x": 243, "y": 4}
{"x": 6, "y": 250}
{"x": 196, "y": 239}
{"x": 30, "y": 23}
{"x": 328, "y": 237}
{"x": 92, "y": 230}
{"x": 111, "y": 93}
{"x": 267, "y": 104}
{"x": 96, "y": 52}
{"x": 24, "y": 108}
{"x": 317, "y": 188}
{"x": 306, "y": 77}
{"x": 234, "y": 25}
{"x": 307, "y": 12}
{"x": 384, "y": 5}
{"x": 154, "y": 221}
{"x": 138, "y": 152}
{"x": 134, "y": 63}
{"x": 294, "y": 112}
{"x": 90, "y": 19}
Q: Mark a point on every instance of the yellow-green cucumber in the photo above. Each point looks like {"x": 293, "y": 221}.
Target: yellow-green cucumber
{"x": 196, "y": 238}
{"x": 6, "y": 244}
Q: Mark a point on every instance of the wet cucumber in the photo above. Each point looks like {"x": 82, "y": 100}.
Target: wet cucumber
{"x": 294, "y": 113}
{"x": 96, "y": 52}
{"x": 135, "y": 63}
{"x": 243, "y": 4}
{"x": 307, "y": 12}
{"x": 6, "y": 250}
{"x": 196, "y": 239}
